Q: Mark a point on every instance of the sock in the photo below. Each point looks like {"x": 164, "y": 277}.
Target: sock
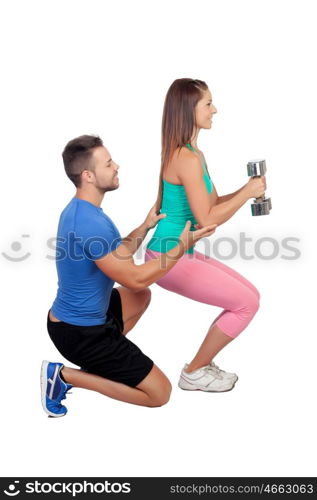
{"x": 61, "y": 375}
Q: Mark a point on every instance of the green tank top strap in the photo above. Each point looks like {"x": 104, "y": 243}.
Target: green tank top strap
{"x": 191, "y": 147}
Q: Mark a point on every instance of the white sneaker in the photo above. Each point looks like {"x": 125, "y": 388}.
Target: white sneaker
{"x": 204, "y": 379}
{"x": 225, "y": 375}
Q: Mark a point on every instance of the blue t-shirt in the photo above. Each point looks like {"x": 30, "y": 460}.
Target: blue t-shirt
{"x": 85, "y": 234}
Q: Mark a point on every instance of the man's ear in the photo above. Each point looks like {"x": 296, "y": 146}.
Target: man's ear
{"x": 87, "y": 175}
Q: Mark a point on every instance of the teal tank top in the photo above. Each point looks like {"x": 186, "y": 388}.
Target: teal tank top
{"x": 176, "y": 207}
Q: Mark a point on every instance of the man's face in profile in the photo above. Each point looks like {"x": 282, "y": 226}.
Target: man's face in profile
{"x": 105, "y": 170}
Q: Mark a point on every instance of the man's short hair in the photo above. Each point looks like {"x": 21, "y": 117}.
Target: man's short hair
{"x": 77, "y": 156}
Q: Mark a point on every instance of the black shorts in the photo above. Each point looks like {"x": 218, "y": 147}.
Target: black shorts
{"x": 102, "y": 349}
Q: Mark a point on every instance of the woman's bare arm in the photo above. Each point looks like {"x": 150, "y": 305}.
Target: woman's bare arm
{"x": 205, "y": 206}
{"x": 228, "y": 197}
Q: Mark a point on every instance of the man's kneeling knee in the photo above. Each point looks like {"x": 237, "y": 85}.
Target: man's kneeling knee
{"x": 162, "y": 396}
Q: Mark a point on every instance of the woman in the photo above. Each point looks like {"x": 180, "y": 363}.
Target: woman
{"x": 186, "y": 192}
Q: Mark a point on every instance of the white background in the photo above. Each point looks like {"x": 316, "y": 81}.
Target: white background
{"x": 103, "y": 67}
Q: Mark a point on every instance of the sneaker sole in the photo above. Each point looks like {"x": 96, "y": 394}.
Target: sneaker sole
{"x": 44, "y": 388}
{"x": 195, "y": 388}
{"x": 206, "y": 390}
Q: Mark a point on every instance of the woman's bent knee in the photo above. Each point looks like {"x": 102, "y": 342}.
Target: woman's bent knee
{"x": 256, "y": 304}
{"x": 251, "y": 304}
{"x": 258, "y": 294}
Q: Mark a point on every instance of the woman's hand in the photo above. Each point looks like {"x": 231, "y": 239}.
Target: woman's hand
{"x": 189, "y": 238}
{"x": 152, "y": 218}
{"x": 256, "y": 186}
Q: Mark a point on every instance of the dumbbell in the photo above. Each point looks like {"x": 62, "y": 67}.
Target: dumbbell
{"x": 262, "y": 205}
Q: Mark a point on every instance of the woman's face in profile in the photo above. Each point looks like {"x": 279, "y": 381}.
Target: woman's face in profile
{"x": 204, "y": 110}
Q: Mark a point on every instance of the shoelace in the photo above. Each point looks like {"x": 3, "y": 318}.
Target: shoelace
{"x": 218, "y": 370}
{"x": 214, "y": 370}
{"x": 216, "y": 367}
{"x": 64, "y": 396}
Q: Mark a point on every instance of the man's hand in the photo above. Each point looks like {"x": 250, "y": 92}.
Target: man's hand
{"x": 152, "y": 218}
{"x": 188, "y": 237}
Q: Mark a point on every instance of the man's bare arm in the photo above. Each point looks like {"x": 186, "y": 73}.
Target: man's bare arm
{"x": 120, "y": 266}
{"x": 135, "y": 238}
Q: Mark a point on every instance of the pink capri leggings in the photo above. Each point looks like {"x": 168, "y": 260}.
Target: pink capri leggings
{"x": 206, "y": 280}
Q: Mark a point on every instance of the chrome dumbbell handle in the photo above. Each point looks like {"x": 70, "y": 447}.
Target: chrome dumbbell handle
{"x": 257, "y": 168}
{"x": 261, "y": 205}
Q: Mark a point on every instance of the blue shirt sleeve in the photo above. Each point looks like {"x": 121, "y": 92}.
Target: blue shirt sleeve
{"x": 99, "y": 237}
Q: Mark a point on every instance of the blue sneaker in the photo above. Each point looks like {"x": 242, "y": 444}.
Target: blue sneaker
{"x": 53, "y": 389}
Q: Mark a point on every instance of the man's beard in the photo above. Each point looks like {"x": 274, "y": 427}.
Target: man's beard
{"x": 105, "y": 189}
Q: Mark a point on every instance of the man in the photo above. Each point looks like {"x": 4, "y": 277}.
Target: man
{"x": 89, "y": 319}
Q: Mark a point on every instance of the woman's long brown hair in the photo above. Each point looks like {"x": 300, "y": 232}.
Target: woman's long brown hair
{"x": 178, "y": 121}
